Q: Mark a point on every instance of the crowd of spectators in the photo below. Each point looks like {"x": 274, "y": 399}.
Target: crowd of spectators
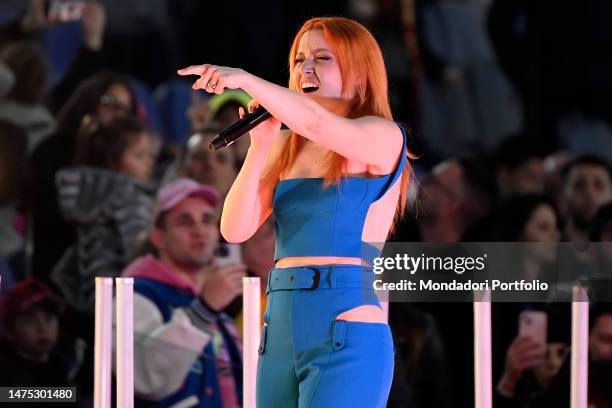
{"x": 106, "y": 171}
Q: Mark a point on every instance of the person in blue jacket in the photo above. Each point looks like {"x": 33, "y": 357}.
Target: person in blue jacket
{"x": 187, "y": 352}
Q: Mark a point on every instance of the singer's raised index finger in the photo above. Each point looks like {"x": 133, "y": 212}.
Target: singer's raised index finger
{"x": 192, "y": 70}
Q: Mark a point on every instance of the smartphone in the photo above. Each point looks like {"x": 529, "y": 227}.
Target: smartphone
{"x": 228, "y": 254}
{"x": 64, "y": 11}
{"x": 533, "y": 324}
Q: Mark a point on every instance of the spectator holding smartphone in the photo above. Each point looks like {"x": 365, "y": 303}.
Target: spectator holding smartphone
{"x": 531, "y": 365}
{"x": 186, "y": 348}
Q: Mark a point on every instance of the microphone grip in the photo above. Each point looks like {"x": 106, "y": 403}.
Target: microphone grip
{"x": 232, "y": 133}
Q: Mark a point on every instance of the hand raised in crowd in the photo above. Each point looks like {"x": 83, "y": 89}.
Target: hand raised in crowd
{"x": 93, "y": 23}
{"x": 522, "y": 354}
{"x": 264, "y": 134}
{"x": 223, "y": 285}
{"x": 215, "y": 78}
{"x": 92, "y": 15}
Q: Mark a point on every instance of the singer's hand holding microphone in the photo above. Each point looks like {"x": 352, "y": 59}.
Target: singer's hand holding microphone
{"x": 264, "y": 134}
{"x": 262, "y": 126}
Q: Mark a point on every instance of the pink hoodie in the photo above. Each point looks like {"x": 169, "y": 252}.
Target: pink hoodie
{"x": 152, "y": 268}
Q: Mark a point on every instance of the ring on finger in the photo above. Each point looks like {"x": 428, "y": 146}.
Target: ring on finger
{"x": 213, "y": 86}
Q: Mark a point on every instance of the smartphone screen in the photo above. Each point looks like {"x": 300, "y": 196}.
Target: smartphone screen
{"x": 228, "y": 254}
{"x": 64, "y": 10}
{"x": 533, "y": 324}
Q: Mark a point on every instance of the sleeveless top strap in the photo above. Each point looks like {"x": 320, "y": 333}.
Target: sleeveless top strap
{"x": 389, "y": 180}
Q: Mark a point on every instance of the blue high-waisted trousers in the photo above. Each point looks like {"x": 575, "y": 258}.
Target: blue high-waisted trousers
{"x": 307, "y": 358}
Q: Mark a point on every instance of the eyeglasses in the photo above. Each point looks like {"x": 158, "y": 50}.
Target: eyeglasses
{"x": 111, "y": 102}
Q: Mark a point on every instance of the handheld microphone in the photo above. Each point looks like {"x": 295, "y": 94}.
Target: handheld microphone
{"x": 232, "y": 133}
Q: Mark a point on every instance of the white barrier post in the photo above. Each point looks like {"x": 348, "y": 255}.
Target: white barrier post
{"x": 482, "y": 351}
{"x": 125, "y": 342}
{"x": 103, "y": 342}
{"x": 580, "y": 347}
{"x": 251, "y": 310}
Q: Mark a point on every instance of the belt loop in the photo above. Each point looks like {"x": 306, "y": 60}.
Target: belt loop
{"x": 339, "y": 334}
{"x": 269, "y": 284}
{"x": 333, "y": 273}
{"x": 263, "y": 339}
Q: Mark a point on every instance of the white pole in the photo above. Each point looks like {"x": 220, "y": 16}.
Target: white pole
{"x": 251, "y": 310}
{"x": 580, "y": 347}
{"x": 103, "y": 343}
{"x": 482, "y": 351}
{"x": 125, "y": 342}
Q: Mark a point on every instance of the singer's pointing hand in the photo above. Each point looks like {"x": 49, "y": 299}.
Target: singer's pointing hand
{"x": 215, "y": 78}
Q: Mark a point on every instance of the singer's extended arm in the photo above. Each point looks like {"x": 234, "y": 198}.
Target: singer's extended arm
{"x": 374, "y": 141}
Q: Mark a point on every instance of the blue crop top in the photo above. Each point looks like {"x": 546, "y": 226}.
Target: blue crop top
{"x": 312, "y": 221}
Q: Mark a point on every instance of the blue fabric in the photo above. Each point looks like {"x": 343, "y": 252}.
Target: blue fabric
{"x": 312, "y": 221}
{"x": 61, "y": 44}
{"x": 145, "y": 98}
{"x": 173, "y": 99}
{"x": 310, "y": 359}
{"x": 6, "y": 274}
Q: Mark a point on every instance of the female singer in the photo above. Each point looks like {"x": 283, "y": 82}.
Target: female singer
{"x": 331, "y": 182}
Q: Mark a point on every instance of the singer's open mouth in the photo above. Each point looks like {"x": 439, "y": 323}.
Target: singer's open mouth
{"x": 308, "y": 87}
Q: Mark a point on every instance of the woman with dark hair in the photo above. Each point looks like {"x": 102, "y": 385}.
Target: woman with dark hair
{"x": 529, "y": 217}
{"x": 106, "y": 95}
{"x": 534, "y": 221}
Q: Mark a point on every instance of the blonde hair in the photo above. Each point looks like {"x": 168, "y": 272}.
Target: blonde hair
{"x": 363, "y": 75}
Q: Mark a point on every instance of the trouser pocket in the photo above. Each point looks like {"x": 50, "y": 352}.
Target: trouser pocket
{"x": 360, "y": 364}
{"x": 263, "y": 339}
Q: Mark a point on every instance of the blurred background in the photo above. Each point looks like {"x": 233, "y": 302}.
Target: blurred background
{"x": 509, "y": 107}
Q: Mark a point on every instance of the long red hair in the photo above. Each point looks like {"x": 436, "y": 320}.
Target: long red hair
{"x": 363, "y": 75}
